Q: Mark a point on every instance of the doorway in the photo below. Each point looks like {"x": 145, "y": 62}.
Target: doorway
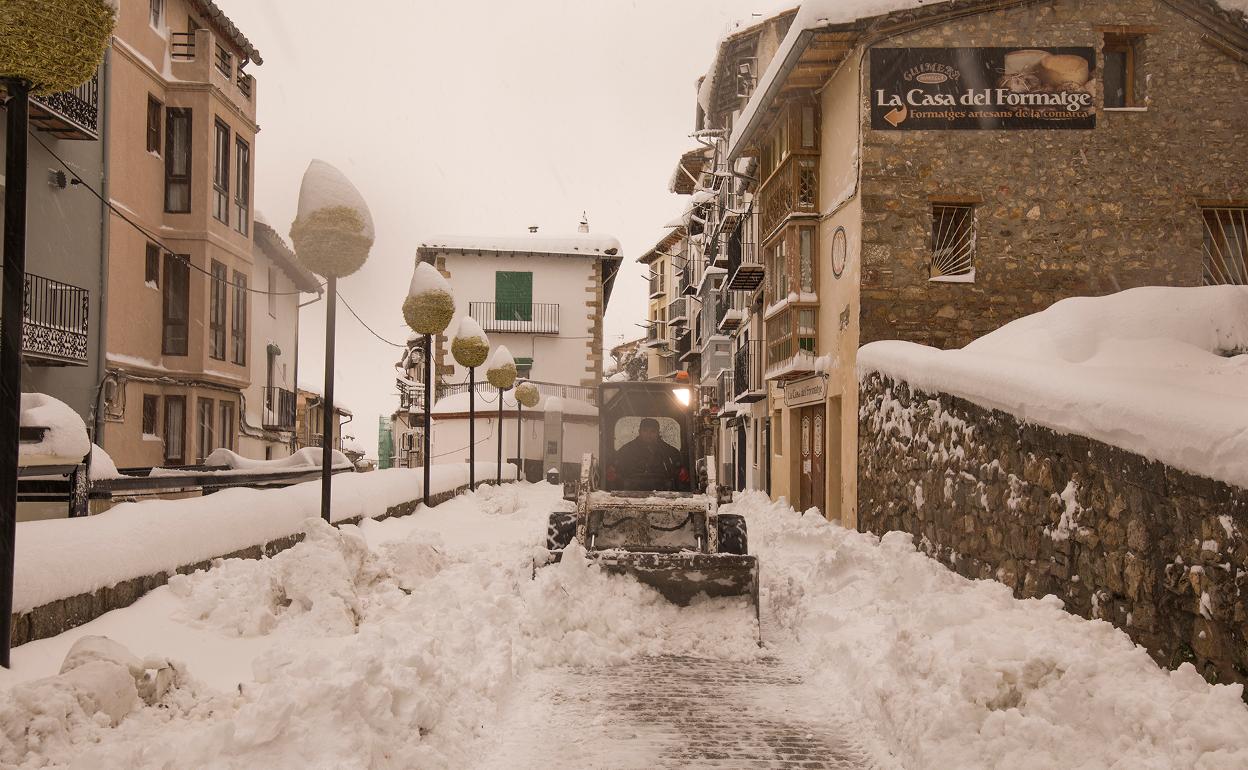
{"x": 741, "y": 458}
{"x": 812, "y": 473}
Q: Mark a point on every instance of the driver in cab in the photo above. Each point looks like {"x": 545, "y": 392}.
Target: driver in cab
{"x": 648, "y": 462}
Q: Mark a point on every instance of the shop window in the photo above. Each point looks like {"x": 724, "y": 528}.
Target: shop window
{"x": 1122, "y": 80}
{"x": 1225, "y": 245}
{"x": 953, "y": 243}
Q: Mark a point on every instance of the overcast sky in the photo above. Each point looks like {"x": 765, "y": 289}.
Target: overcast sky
{"x": 474, "y": 118}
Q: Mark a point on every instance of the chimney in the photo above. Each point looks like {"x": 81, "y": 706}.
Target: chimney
{"x": 532, "y": 228}
{"x": 584, "y": 226}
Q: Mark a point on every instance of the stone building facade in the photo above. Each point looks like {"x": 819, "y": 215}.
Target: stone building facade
{"x": 1158, "y": 552}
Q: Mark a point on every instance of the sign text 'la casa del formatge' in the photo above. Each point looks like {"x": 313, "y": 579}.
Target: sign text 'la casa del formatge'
{"x": 982, "y": 88}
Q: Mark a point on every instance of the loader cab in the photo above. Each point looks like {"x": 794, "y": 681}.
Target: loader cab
{"x": 629, "y": 418}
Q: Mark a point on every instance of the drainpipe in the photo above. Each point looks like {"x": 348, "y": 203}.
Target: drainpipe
{"x": 101, "y": 346}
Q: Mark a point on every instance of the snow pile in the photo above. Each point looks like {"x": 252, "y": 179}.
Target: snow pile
{"x": 306, "y": 459}
{"x": 1162, "y": 372}
{"x": 959, "y": 673}
{"x": 102, "y": 465}
{"x": 65, "y": 440}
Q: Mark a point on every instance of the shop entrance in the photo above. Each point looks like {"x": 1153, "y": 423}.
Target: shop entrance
{"x": 811, "y": 477}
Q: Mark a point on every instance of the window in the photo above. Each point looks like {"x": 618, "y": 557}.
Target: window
{"x": 953, "y": 243}
{"x": 513, "y": 296}
{"x": 1226, "y": 245}
{"x": 154, "y": 108}
{"x": 204, "y": 428}
{"x": 216, "y": 312}
{"x": 177, "y": 160}
{"x": 175, "y": 430}
{"x": 524, "y": 366}
{"x": 806, "y": 258}
{"x": 1123, "y": 87}
{"x": 242, "y": 185}
{"x": 777, "y": 432}
{"x": 778, "y": 270}
{"x": 808, "y": 127}
{"x": 272, "y": 288}
{"x": 177, "y": 304}
{"x": 151, "y": 270}
{"x": 221, "y": 173}
{"x": 238, "y": 329}
{"x": 151, "y": 413}
{"x": 225, "y": 420}
{"x": 156, "y": 12}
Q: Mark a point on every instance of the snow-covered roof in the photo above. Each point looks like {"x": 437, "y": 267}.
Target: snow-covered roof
{"x": 217, "y": 17}
{"x": 1159, "y": 371}
{"x": 734, "y": 31}
{"x": 577, "y": 244}
{"x": 274, "y": 246}
{"x": 684, "y": 176}
{"x": 661, "y": 246}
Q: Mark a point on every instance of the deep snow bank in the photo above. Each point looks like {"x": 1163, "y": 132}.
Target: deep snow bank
{"x": 959, "y": 673}
{"x": 1162, "y": 372}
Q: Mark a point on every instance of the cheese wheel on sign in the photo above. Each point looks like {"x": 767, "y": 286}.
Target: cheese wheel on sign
{"x": 1063, "y": 69}
{"x": 1018, "y": 61}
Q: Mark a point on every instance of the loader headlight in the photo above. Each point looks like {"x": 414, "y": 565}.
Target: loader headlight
{"x": 682, "y": 395}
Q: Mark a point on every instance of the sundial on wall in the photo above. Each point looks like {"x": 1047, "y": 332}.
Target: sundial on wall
{"x": 840, "y": 251}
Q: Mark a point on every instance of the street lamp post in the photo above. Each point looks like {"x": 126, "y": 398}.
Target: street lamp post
{"x": 502, "y": 375}
{"x": 428, "y": 310}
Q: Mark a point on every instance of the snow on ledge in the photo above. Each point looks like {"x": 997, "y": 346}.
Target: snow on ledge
{"x": 570, "y": 243}
{"x": 1161, "y": 372}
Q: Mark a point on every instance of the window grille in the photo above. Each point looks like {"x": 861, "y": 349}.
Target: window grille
{"x": 1226, "y": 245}
{"x": 953, "y": 243}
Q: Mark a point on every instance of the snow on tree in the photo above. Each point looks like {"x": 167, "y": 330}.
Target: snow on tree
{"x": 528, "y": 394}
{"x": 429, "y": 306}
{"x": 56, "y": 45}
{"x": 501, "y": 371}
{"x": 333, "y": 230}
{"x": 470, "y": 346}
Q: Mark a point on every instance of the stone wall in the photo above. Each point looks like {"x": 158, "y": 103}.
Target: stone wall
{"x": 50, "y": 619}
{"x": 1158, "y": 552}
{"x": 1061, "y": 212}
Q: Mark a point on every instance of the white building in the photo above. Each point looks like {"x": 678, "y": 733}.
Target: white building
{"x": 544, "y": 298}
{"x": 269, "y": 417}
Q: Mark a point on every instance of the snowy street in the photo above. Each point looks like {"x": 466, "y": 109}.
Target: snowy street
{"x": 423, "y": 641}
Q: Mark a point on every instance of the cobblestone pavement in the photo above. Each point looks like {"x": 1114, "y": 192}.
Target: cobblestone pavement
{"x": 673, "y": 712}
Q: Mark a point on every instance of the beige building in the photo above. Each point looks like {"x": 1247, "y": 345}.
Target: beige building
{"x": 180, "y": 158}
{"x": 664, "y": 262}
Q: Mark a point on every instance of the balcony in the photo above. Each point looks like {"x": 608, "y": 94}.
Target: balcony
{"x": 657, "y": 287}
{"x": 54, "y": 323}
{"x": 656, "y": 335}
{"x": 695, "y": 340}
{"x": 792, "y": 189}
{"x": 684, "y": 344}
{"x": 69, "y": 114}
{"x": 519, "y": 317}
{"x": 678, "y": 311}
{"x": 277, "y": 410}
{"x": 727, "y": 316}
{"x": 747, "y": 371}
{"x": 724, "y": 390}
{"x": 745, "y": 265}
{"x": 197, "y": 57}
{"x": 791, "y": 343}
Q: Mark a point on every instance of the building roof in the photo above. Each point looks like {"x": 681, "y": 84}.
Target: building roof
{"x": 664, "y": 243}
{"x": 824, "y": 31}
{"x": 274, "y": 247}
{"x": 216, "y": 16}
{"x": 741, "y": 32}
{"x": 688, "y": 168}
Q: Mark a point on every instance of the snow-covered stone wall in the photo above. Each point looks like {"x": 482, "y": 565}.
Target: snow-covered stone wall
{"x": 1158, "y": 552}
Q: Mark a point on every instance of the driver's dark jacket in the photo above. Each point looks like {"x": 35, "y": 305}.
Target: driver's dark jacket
{"x": 636, "y": 462}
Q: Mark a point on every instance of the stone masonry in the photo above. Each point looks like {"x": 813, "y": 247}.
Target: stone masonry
{"x": 1158, "y": 552}
{"x": 1064, "y": 212}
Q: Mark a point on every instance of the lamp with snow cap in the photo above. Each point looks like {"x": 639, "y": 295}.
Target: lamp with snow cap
{"x": 46, "y": 46}
{"x": 470, "y": 347}
{"x": 428, "y": 309}
{"x": 332, "y": 234}
{"x": 501, "y": 373}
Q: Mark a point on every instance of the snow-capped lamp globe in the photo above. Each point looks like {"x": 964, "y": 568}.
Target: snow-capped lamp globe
{"x": 528, "y": 395}
{"x": 54, "y": 45}
{"x": 428, "y": 309}
{"x": 471, "y": 347}
{"x": 332, "y": 235}
{"x": 501, "y": 373}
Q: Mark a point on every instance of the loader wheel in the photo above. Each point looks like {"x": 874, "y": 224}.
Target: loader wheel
{"x": 732, "y": 536}
{"x": 561, "y": 530}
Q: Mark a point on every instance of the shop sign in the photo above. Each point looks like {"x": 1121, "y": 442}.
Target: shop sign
{"x": 811, "y": 390}
{"x": 982, "y": 88}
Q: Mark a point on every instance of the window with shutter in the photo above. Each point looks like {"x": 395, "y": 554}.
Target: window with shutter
{"x": 513, "y": 296}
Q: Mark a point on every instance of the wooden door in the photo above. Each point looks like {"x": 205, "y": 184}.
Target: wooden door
{"x": 813, "y": 458}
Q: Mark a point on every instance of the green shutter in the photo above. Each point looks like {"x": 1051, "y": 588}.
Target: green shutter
{"x": 513, "y": 296}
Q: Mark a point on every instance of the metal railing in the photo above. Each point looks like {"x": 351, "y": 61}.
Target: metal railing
{"x": 244, "y": 82}
{"x": 724, "y": 389}
{"x": 727, "y": 315}
{"x": 745, "y": 264}
{"x": 684, "y": 344}
{"x": 678, "y": 311}
{"x": 747, "y": 372}
{"x": 656, "y": 333}
{"x": 72, "y": 114}
{"x": 578, "y": 392}
{"x": 182, "y": 45}
{"x": 523, "y": 317}
{"x": 657, "y": 288}
{"x": 54, "y": 321}
{"x": 224, "y": 61}
{"x": 278, "y": 409}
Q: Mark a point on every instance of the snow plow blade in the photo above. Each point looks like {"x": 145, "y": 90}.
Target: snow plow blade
{"x": 682, "y": 576}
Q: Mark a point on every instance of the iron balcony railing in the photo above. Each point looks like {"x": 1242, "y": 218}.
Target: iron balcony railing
{"x": 747, "y": 373}
{"x": 278, "y": 409}
{"x": 724, "y": 389}
{"x": 522, "y": 317}
{"x": 684, "y": 343}
{"x": 657, "y": 288}
{"x": 678, "y": 311}
{"x": 485, "y": 389}
{"x": 72, "y": 114}
{"x": 54, "y": 322}
{"x": 745, "y": 264}
{"x": 727, "y": 315}
{"x": 656, "y": 334}
{"x": 182, "y": 45}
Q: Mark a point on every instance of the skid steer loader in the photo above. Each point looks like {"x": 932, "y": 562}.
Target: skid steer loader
{"x": 649, "y": 509}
